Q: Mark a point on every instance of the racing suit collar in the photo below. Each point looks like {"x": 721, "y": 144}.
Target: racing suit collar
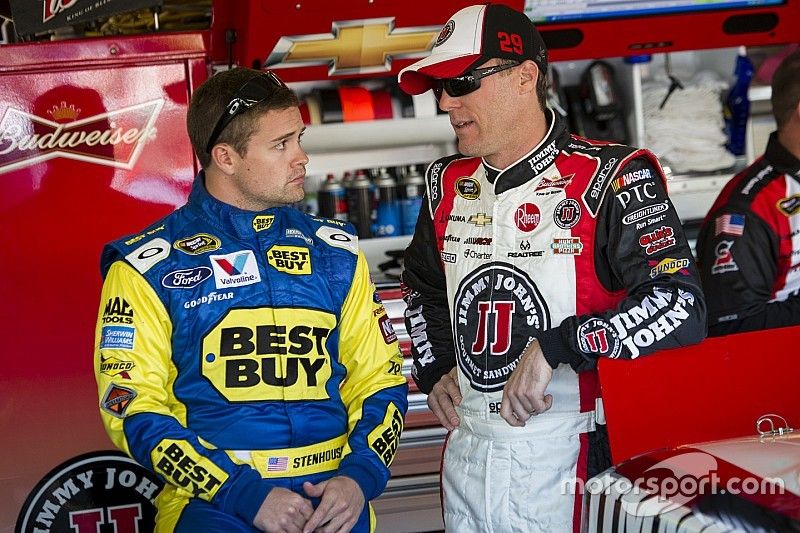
{"x": 226, "y": 217}
{"x": 783, "y": 160}
{"x": 534, "y": 162}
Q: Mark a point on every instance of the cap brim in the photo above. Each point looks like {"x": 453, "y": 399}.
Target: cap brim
{"x": 418, "y": 77}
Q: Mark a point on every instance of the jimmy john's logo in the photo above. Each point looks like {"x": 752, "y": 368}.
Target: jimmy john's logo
{"x": 447, "y": 31}
{"x": 354, "y": 46}
{"x": 84, "y": 140}
{"x": 198, "y": 244}
{"x": 94, "y": 492}
{"x": 117, "y": 311}
{"x": 269, "y": 354}
{"x": 290, "y": 259}
{"x": 498, "y": 309}
{"x": 384, "y": 439}
{"x": 790, "y": 206}
{"x": 180, "y": 463}
{"x": 263, "y": 222}
{"x": 468, "y": 188}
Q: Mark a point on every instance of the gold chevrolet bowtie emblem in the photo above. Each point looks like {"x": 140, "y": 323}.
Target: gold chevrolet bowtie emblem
{"x": 481, "y": 219}
{"x": 354, "y": 46}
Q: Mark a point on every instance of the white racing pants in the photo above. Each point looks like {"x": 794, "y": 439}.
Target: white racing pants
{"x": 502, "y": 479}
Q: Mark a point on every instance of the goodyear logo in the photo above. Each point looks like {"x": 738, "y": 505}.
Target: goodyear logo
{"x": 180, "y": 464}
{"x": 263, "y": 222}
{"x": 269, "y": 354}
{"x": 290, "y": 259}
{"x": 198, "y": 244}
{"x": 385, "y": 438}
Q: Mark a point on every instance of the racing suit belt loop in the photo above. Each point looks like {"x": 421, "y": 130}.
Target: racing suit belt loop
{"x": 544, "y": 425}
{"x": 290, "y": 462}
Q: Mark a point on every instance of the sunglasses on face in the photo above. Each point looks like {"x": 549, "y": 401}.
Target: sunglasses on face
{"x": 463, "y": 85}
{"x": 253, "y": 92}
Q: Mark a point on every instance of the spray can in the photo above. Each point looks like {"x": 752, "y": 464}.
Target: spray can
{"x": 360, "y": 198}
{"x": 387, "y": 219}
{"x": 412, "y": 188}
{"x": 332, "y": 199}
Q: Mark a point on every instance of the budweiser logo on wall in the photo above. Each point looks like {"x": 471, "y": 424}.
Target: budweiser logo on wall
{"x": 115, "y": 138}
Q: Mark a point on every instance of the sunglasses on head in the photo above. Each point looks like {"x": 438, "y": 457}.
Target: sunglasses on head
{"x": 463, "y": 85}
{"x": 253, "y": 92}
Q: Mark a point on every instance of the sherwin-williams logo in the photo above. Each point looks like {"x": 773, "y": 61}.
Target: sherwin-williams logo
{"x": 236, "y": 269}
{"x": 87, "y": 139}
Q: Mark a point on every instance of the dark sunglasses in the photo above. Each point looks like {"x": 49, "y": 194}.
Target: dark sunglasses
{"x": 253, "y": 92}
{"x": 463, "y": 85}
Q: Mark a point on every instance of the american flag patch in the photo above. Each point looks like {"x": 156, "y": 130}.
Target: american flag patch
{"x": 277, "y": 464}
{"x": 729, "y": 225}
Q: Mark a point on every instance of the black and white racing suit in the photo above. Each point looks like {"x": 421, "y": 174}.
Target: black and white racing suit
{"x": 576, "y": 245}
{"x": 749, "y": 247}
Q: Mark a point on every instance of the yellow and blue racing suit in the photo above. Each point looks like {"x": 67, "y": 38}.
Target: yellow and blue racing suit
{"x": 239, "y": 351}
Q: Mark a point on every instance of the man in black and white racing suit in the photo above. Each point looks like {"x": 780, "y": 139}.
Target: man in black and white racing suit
{"x": 536, "y": 252}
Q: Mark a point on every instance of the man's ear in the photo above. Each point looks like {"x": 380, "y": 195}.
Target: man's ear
{"x": 529, "y": 75}
{"x": 224, "y": 157}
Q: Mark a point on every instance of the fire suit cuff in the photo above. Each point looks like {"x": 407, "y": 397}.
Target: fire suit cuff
{"x": 246, "y": 495}
{"x": 365, "y": 478}
{"x": 556, "y": 350}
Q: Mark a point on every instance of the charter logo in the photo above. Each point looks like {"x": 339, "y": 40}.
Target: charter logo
{"x": 26, "y": 139}
{"x": 236, "y": 269}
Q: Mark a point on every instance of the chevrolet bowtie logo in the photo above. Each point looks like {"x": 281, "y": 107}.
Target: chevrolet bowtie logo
{"x": 354, "y": 47}
{"x": 481, "y": 219}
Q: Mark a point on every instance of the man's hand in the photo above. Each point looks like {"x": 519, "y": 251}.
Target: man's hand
{"x": 341, "y": 503}
{"x": 523, "y": 395}
{"x": 443, "y": 397}
{"x": 283, "y": 511}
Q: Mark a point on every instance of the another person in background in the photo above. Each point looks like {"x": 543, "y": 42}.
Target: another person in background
{"x": 242, "y": 352}
{"x": 749, "y": 245}
{"x": 536, "y": 253}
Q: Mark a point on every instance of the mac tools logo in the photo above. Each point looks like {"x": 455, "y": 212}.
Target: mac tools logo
{"x": 26, "y": 139}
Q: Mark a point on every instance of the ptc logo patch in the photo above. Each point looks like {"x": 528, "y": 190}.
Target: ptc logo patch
{"x": 97, "y": 492}
{"x": 290, "y": 259}
{"x": 498, "y": 309}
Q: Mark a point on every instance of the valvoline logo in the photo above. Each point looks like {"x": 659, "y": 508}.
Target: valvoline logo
{"x": 235, "y": 269}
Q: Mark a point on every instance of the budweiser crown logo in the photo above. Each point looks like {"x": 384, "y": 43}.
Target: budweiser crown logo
{"x": 63, "y": 113}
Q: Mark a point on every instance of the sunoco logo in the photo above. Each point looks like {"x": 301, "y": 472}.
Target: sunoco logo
{"x": 95, "y": 492}
{"x": 498, "y": 309}
{"x": 127, "y": 130}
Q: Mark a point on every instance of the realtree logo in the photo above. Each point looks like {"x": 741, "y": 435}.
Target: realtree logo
{"x": 125, "y": 130}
